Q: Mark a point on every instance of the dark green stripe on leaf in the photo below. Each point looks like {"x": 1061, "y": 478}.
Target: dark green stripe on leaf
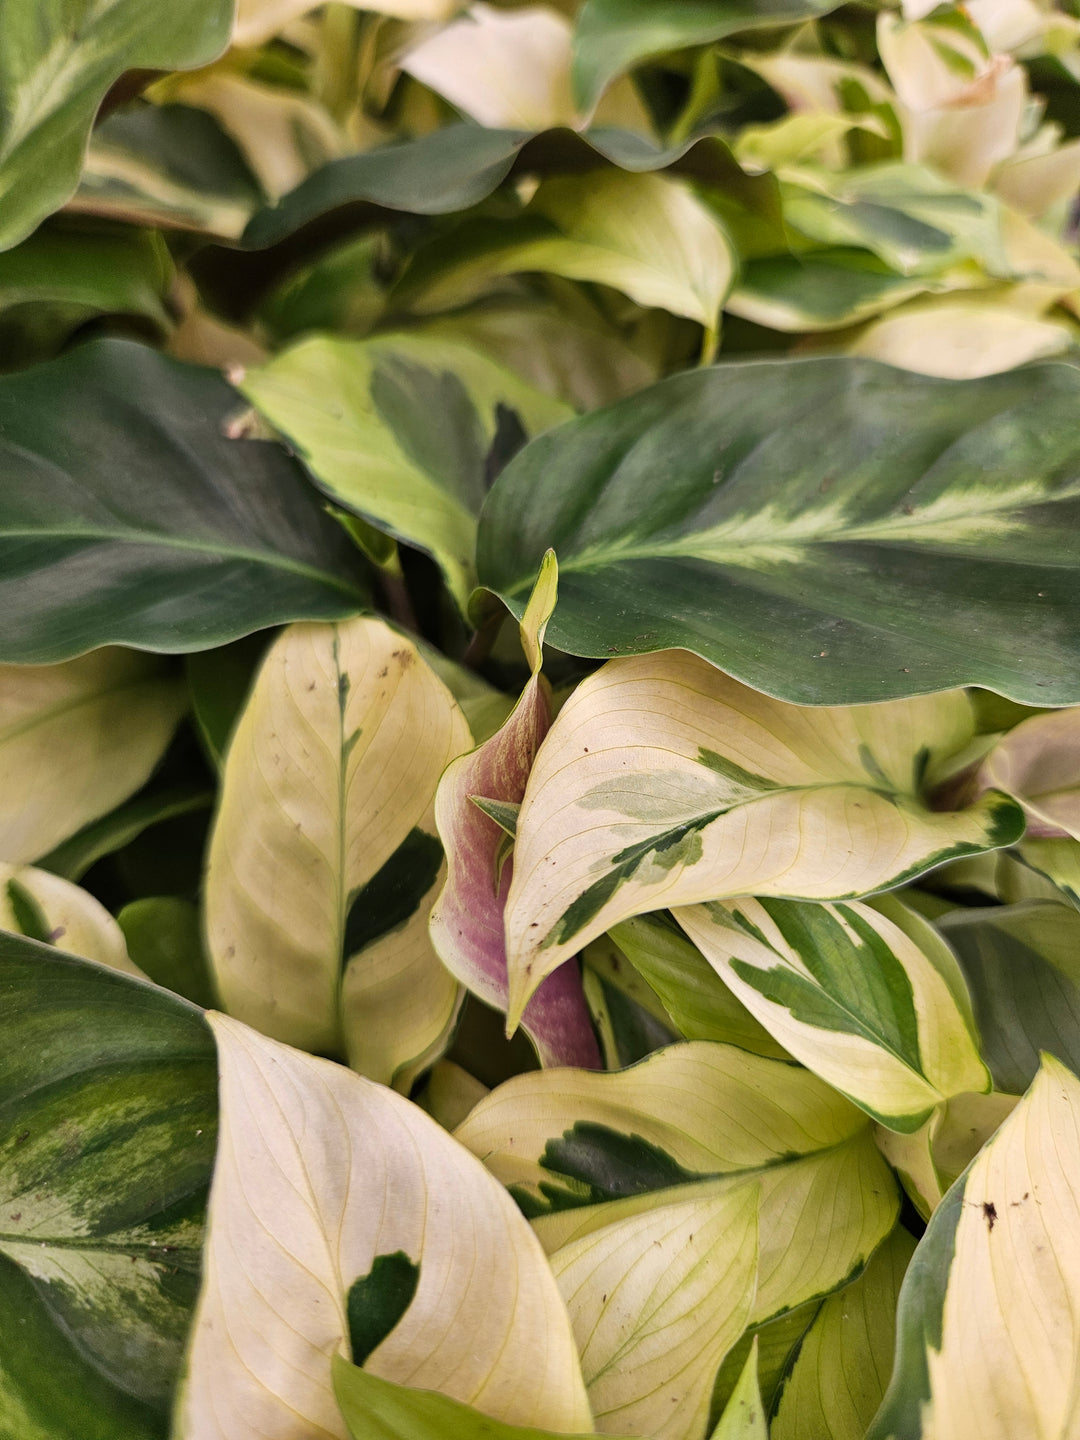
{"x": 378, "y": 1300}
{"x": 611, "y": 1165}
{"x": 393, "y": 894}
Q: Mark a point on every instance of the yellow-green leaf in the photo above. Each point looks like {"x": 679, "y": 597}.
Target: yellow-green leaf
{"x": 843, "y": 1364}
{"x": 744, "y": 1414}
{"x": 665, "y": 782}
{"x": 321, "y": 1172}
{"x": 324, "y": 860}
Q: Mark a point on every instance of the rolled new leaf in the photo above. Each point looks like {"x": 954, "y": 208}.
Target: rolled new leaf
{"x": 344, "y": 1221}
{"x": 869, "y": 998}
{"x": 988, "y": 1338}
{"x": 324, "y": 861}
{"x": 467, "y": 921}
{"x": 664, "y": 782}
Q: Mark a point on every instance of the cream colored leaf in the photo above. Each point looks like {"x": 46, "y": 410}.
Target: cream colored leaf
{"x": 698, "y": 1109}
{"x": 656, "y": 1301}
{"x": 665, "y": 782}
{"x": 961, "y": 340}
{"x": 323, "y": 858}
{"x": 877, "y": 1008}
{"x": 320, "y": 1171}
{"x": 260, "y": 20}
{"x": 76, "y": 739}
{"x": 1038, "y": 763}
{"x": 503, "y": 69}
{"x": 990, "y": 1332}
{"x": 45, "y": 907}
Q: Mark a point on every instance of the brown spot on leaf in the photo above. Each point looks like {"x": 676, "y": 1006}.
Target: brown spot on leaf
{"x": 990, "y": 1214}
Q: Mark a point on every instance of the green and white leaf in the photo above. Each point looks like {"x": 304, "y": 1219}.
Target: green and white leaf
{"x": 106, "y": 1148}
{"x": 321, "y": 1172}
{"x": 76, "y": 740}
{"x": 822, "y": 539}
{"x": 1022, "y": 966}
{"x": 58, "y": 62}
{"x": 868, "y": 997}
{"x": 399, "y": 429}
{"x": 988, "y": 1339}
{"x": 842, "y": 1367}
{"x": 665, "y": 782}
{"x": 644, "y": 234}
{"x": 324, "y": 860}
{"x": 46, "y": 908}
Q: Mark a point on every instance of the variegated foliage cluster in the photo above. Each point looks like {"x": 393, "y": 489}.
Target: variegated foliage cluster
{"x": 540, "y": 806}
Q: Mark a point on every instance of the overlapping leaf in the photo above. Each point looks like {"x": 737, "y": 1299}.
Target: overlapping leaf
{"x": 401, "y": 430}
{"x": 327, "y": 1187}
{"x": 76, "y": 740}
{"x": 228, "y": 538}
{"x": 869, "y": 998}
{"x": 664, "y": 782}
{"x": 988, "y": 1340}
{"x": 45, "y": 908}
{"x": 106, "y": 1146}
{"x": 829, "y": 531}
{"x": 58, "y": 64}
{"x": 1039, "y": 763}
{"x": 324, "y": 859}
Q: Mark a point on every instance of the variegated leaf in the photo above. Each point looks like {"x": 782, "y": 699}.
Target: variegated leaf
{"x": 76, "y": 739}
{"x": 665, "y": 782}
{"x": 744, "y": 1414}
{"x": 868, "y": 997}
{"x": 324, "y": 860}
{"x": 400, "y": 429}
{"x": 989, "y": 1342}
{"x": 641, "y": 1152}
{"x": 328, "y": 1190}
{"x": 107, "y": 1134}
{"x": 58, "y": 62}
{"x": 928, "y": 1160}
{"x": 467, "y": 921}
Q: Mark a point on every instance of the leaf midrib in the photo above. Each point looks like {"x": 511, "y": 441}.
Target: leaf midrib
{"x": 269, "y": 558}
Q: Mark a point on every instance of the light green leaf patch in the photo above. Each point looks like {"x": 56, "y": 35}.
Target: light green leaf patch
{"x": 406, "y": 431}
{"x": 869, "y": 998}
{"x": 664, "y": 782}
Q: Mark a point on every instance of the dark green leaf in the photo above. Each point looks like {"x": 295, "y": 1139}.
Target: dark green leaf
{"x": 126, "y": 515}
{"x": 829, "y": 531}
